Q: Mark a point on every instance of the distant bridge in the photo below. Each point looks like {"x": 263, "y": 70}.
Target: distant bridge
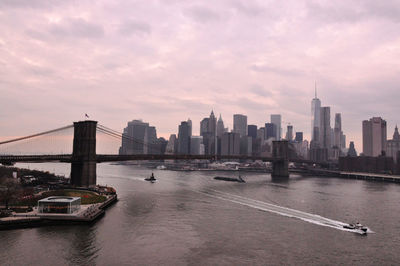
{"x": 84, "y": 158}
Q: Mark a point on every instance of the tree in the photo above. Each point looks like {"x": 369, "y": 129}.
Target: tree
{"x": 9, "y": 190}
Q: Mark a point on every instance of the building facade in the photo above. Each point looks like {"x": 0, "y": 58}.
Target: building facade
{"x": 240, "y": 124}
{"x": 393, "y": 145}
{"x": 374, "y": 136}
{"x": 276, "y": 119}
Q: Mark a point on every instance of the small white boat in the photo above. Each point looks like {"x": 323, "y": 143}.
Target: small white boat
{"x": 357, "y": 227}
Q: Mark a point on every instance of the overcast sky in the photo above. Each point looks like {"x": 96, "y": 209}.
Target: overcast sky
{"x": 167, "y": 60}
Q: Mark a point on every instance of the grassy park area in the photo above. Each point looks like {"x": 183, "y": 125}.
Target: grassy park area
{"x": 87, "y": 197}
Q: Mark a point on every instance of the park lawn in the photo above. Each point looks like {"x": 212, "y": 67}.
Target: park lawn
{"x": 87, "y": 197}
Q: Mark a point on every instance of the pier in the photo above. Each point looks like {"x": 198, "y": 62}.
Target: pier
{"x": 86, "y": 215}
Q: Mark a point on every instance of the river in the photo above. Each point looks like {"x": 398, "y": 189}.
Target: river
{"x": 188, "y": 218}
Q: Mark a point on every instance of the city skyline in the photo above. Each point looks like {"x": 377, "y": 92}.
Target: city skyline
{"x": 177, "y": 60}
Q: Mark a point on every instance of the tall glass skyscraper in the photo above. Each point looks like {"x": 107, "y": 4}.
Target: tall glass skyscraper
{"x": 315, "y": 118}
{"x": 277, "y": 121}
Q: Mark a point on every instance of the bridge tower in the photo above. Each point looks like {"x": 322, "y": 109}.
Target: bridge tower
{"x": 280, "y": 155}
{"x": 83, "y": 163}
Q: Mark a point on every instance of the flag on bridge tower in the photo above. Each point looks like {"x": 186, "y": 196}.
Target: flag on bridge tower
{"x": 86, "y": 116}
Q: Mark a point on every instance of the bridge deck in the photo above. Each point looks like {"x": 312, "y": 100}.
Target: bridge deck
{"x": 100, "y": 158}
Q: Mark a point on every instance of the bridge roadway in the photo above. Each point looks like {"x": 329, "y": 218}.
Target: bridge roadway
{"x": 100, "y": 158}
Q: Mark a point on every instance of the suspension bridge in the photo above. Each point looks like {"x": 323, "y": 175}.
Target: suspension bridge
{"x": 83, "y": 158}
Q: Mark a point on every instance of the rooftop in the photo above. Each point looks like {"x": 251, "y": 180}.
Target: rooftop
{"x": 60, "y": 199}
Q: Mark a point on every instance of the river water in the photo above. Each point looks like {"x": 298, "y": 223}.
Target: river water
{"x": 188, "y": 218}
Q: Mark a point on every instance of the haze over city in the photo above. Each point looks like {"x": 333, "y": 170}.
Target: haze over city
{"x": 166, "y": 61}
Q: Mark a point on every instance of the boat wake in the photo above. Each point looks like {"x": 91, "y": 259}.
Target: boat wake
{"x": 264, "y": 206}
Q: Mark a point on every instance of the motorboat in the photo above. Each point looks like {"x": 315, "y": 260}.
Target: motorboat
{"x": 356, "y": 227}
{"x": 151, "y": 179}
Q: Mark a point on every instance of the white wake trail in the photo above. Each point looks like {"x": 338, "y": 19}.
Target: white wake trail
{"x": 284, "y": 211}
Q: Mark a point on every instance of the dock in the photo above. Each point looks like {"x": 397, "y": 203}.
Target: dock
{"x": 86, "y": 215}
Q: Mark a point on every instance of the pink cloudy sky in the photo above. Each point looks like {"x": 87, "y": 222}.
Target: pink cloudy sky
{"x": 166, "y": 60}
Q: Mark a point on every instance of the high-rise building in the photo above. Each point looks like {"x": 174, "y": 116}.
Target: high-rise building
{"x": 270, "y": 131}
{"x": 220, "y": 127}
{"x": 240, "y": 124}
{"x": 172, "y": 146}
{"x": 190, "y": 126}
{"x": 337, "y": 132}
{"x": 208, "y": 129}
{"x": 276, "y": 119}
{"x": 374, "y": 136}
{"x": 230, "y": 144}
{"x": 212, "y": 124}
{"x": 139, "y": 138}
{"x": 299, "y": 137}
{"x": 261, "y": 134}
{"x": 315, "y": 117}
{"x": 325, "y": 128}
{"x": 393, "y": 145}
{"x": 204, "y": 126}
{"x": 196, "y": 145}
{"x": 183, "y": 138}
{"x": 289, "y": 133}
{"x": 252, "y": 131}
{"x": 352, "y": 151}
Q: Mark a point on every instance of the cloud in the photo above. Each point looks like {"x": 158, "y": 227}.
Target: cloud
{"x": 201, "y": 14}
{"x": 260, "y": 91}
{"x": 35, "y": 4}
{"x": 165, "y": 61}
{"x": 133, "y": 27}
{"x": 76, "y": 28}
{"x": 276, "y": 70}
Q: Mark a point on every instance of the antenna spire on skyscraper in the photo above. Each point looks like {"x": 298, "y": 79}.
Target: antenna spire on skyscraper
{"x": 315, "y": 89}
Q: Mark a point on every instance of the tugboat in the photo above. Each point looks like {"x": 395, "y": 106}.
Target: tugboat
{"x": 152, "y": 179}
{"x": 357, "y": 227}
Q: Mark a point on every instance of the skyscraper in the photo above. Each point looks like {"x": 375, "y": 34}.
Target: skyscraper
{"x": 230, "y": 144}
{"x": 183, "y": 138}
{"x": 299, "y": 137}
{"x": 374, "y": 136}
{"x": 208, "y": 129}
{"x": 270, "y": 131}
{"x": 196, "y": 145}
{"x": 393, "y": 145}
{"x": 289, "y": 133}
{"x": 172, "y": 145}
{"x": 337, "y": 132}
{"x": 352, "y": 151}
{"x": 276, "y": 119}
{"x": 240, "y": 124}
{"x": 220, "y": 127}
{"x": 139, "y": 137}
{"x": 325, "y": 127}
{"x": 252, "y": 131}
{"x": 315, "y": 117}
{"x": 190, "y": 126}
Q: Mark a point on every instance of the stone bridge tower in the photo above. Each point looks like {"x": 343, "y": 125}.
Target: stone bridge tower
{"x": 280, "y": 155}
{"x": 83, "y": 163}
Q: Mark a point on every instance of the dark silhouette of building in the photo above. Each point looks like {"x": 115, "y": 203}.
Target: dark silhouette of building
{"x": 184, "y": 138}
{"x": 352, "y": 151}
{"x": 252, "y": 131}
{"x": 299, "y": 137}
{"x": 270, "y": 131}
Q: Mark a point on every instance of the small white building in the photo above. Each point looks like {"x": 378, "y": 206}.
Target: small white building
{"x": 59, "y": 204}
